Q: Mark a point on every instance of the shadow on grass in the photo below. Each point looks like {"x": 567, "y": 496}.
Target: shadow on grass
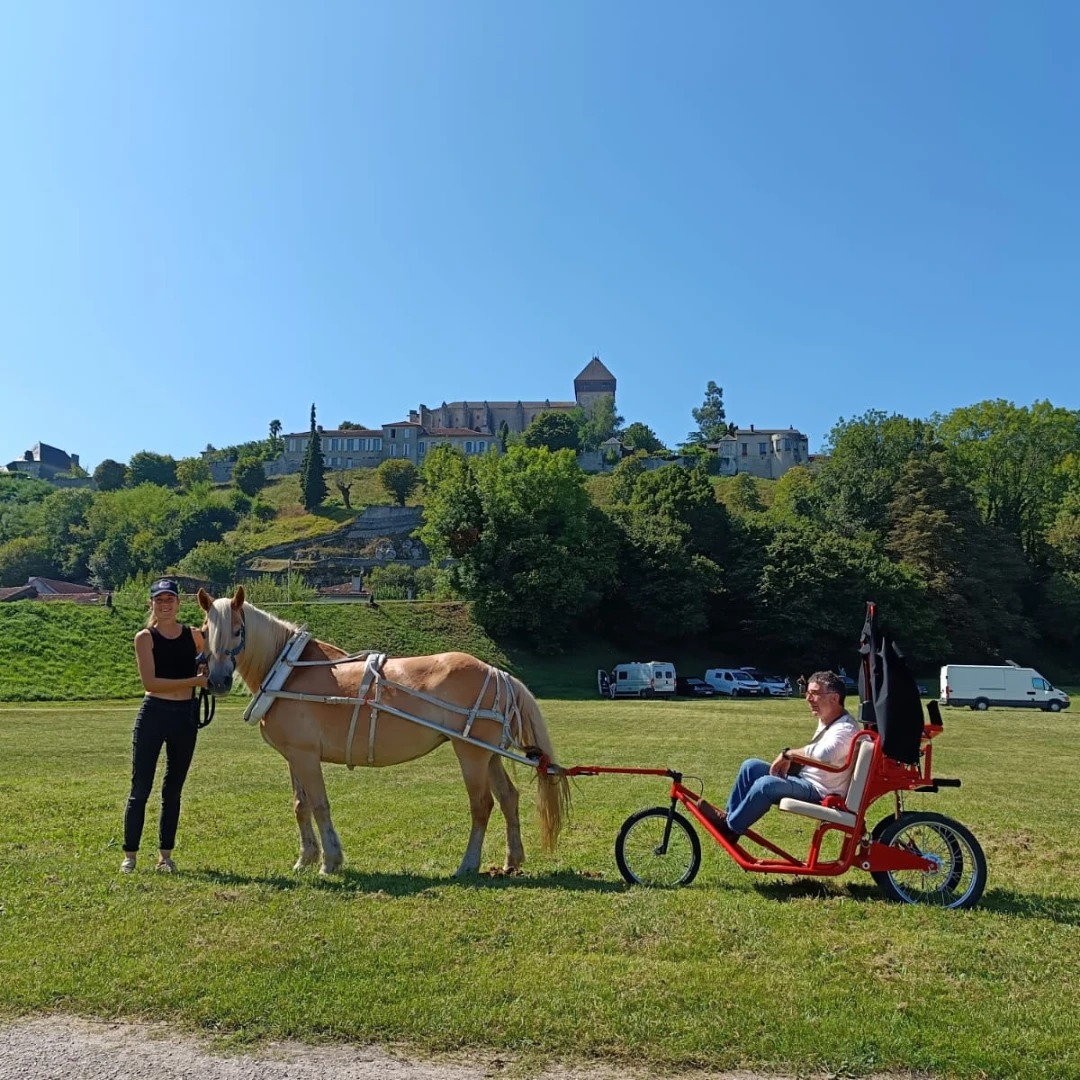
{"x": 358, "y": 881}
{"x": 1058, "y": 909}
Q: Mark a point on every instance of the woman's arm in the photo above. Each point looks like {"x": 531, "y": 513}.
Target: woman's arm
{"x": 144, "y": 654}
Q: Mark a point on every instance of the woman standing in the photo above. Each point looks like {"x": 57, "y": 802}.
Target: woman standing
{"x": 166, "y": 651}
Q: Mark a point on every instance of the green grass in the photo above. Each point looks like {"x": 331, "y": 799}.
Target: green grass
{"x": 737, "y": 970}
{"x": 70, "y": 652}
{"x": 293, "y": 523}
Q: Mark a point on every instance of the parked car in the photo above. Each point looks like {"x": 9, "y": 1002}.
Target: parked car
{"x": 774, "y": 685}
{"x": 691, "y": 686}
{"x": 733, "y": 681}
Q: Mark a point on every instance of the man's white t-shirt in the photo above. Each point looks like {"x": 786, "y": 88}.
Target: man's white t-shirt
{"x": 831, "y": 743}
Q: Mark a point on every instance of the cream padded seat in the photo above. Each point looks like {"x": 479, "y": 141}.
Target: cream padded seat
{"x": 860, "y": 773}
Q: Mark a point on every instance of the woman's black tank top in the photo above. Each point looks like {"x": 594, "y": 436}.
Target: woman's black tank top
{"x": 174, "y": 658}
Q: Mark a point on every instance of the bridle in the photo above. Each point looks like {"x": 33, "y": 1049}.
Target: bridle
{"x": 206, "y": 700}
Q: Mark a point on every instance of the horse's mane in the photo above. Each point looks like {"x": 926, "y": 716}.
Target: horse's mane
{"x": 266, "y": 637}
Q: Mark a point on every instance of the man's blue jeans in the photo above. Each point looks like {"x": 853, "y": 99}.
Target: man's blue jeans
{"x": 755, "y": 791}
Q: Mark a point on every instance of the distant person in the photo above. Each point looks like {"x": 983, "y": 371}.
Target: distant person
{"x": 801, "y": 683}
{"x": 166, "y": 652}
{"x": 761, "y": 785}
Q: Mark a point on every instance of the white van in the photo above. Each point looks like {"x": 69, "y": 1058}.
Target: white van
{"x": 980, "y": 686}
{"x": 639, "y": 678}
{"x": 734, "y": 682}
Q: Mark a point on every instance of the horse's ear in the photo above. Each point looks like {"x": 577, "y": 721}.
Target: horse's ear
{"x": 238, "y": 599}
{"x": 205, "y": 599}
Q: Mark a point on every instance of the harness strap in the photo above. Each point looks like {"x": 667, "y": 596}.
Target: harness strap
{"x": 479, "y": 698}
{"x": 372, "y": 668}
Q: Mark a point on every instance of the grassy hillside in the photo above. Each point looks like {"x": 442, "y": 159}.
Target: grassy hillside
{"x": 294, "y": 524}
{"x": 68, "y": 652}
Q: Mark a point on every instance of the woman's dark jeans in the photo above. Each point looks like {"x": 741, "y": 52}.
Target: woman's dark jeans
{"x": 158, "y": 722}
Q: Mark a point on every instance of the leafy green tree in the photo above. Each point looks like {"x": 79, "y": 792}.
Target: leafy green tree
{"x": 20, "y": 498}
{"x": 399, "y": 477}
{"x": 709, "y": 417}
{"x": 23, "y": 558}
{"x": 110, "y": 475}
{"x": 453, "y": 512}
{"x": 61, "y": 520}
{"x": 503, "y": 435}
{"x": 624, "y": 477}
{"x": 639, "y": 436}
{"x": 665, "y": 591}
{"x": 596, "y": 423}
{"x": 813, "y": 590}
{"x": 865, "y": 457}
{"x": 112, "y": 561}
{"x": 312, "y": 470}
{"x": 211, "y": 561}
{"x": 975, "y": 574}
{"x": 537, "y": 558}
{"x": 684, "y": 498}
{"x": 147, "y": 467}
{"x": 192, "y": 471}
{"x": 553, "y": 431}
{"x": 1010, "y": 457}
{"x": 249, "y": 475}
{"x": 348, "y": 425}
{"x": 275, "y": 442}
{"x": 794, "y": 494}
{"x": 743, "y": 495}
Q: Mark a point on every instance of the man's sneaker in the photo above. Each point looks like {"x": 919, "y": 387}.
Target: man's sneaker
{"x": 165, "y": 866}
{"x": 128, "y": 865}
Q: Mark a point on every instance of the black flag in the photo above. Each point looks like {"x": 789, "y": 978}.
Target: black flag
{"x": 890, "y": 699}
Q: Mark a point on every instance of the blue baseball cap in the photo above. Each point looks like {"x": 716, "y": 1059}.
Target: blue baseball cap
{"x": 164, "y": 585}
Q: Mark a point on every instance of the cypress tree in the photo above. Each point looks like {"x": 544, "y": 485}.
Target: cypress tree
{"x": 312, "y": 479}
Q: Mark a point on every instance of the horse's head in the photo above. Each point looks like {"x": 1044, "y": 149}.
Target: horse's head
{"x": 226, "y": 636}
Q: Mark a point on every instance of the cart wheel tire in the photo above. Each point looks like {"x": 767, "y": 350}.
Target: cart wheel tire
{"x": 981, "y": 705}
{"x": 881, "y": 826}
{"x": 960, "y": 877}
{"x": 638, "y": 849}
{"x": 1054, "y": 706}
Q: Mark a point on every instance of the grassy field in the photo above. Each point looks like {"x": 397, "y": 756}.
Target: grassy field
{"x": 564, "y": 961}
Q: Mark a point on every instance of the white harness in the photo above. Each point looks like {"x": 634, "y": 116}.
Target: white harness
{"x": 504, "y": 708}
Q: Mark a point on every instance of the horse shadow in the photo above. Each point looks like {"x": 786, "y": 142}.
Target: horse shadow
{"x": 1005, "y": 902}
{"x": 404, "y": 884}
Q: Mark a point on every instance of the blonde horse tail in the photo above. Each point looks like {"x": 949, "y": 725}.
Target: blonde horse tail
{"x": 552, "y": 791}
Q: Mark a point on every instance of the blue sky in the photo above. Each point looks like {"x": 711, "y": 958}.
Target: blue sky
{"x": 212, "y": 215}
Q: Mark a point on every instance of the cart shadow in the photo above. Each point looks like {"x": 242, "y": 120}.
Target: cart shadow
{"x": 1058, "y": 909}
{"x": 358, "y": 881}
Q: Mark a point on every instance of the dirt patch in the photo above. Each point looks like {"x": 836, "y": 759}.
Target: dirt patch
{"x": 62, "y": 1047}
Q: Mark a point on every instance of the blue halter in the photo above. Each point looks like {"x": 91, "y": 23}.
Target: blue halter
{"x": 232, "y": 654}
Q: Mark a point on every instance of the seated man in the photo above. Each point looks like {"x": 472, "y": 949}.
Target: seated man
{"x": 760, "y": 785}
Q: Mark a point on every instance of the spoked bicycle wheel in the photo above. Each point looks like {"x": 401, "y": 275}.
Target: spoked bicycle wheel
{"x": 658, "y": 847}
{"x": 959, "y": 874}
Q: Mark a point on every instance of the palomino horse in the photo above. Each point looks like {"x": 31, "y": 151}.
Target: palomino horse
{"x": 454, "y": 690}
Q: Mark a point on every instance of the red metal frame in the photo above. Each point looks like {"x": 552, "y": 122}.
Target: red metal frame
{"x": 886, "y": 777}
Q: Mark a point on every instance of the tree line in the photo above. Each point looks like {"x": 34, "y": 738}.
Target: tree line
{"x": 965, "y": 528}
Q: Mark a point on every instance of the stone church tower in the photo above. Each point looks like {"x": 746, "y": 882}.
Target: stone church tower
{"x": 594, "y": 382}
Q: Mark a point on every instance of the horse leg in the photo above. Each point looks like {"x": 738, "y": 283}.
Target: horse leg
{"x": 309, "y": 845}
{"x": 507, "y": 795}
{"x": 308, "y": 771}
{"x": 474, "y": 770}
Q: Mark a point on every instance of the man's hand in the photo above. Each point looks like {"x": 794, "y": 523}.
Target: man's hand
{"x": 780, "y": 766}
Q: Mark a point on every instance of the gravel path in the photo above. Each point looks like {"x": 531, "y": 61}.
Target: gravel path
{"x": 69, "y": 1048}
